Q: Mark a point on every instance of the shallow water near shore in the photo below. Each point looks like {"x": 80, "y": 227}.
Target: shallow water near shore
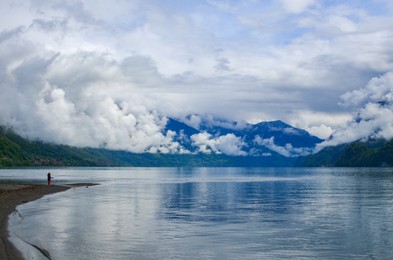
{"x": 209, "y": 213}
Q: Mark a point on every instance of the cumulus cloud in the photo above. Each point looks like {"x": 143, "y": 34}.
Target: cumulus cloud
{"x": 228, "y": 144}
{"x": 374, "y": 116}
{"x": 107, "y": 74}
{"x": 321, "y": 124}
{"x": 101, "y": 122}
{"x": 78, "y": 99}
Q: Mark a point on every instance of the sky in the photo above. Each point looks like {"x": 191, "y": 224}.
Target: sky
{"x": 108, "y": 73}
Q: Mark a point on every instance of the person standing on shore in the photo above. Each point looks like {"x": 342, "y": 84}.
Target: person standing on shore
{"x": 49, "y": 178}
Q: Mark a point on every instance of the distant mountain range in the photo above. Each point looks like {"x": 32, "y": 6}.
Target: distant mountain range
{"x": 210, "y": 143}
{"x": 274, "y": 138}
{"x": 16, "y": 151}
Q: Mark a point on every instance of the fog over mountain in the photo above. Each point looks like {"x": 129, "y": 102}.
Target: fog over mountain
{"x": 112, "y": 74}
{"x": 219, "y": 136}
{"x": 374, "y": 113}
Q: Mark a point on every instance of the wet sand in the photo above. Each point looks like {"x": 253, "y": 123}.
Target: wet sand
{"x": 12, "y": 195}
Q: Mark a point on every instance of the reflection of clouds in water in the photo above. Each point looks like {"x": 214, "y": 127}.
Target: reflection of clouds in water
{"x": 231, "y": 200}
{"x": 217, "y": 212}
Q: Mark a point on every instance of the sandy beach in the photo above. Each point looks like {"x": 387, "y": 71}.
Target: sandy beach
{"x": 11, "y": 195}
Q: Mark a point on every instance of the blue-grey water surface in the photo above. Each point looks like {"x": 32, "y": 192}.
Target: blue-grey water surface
{"x": 209, "y": 213}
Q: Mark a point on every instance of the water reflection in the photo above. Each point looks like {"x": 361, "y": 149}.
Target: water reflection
{"x": 230, "y": 201}
{"x": 218, "y": 213}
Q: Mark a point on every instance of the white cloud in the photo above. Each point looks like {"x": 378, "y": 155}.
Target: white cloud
{"x": 374, "y": 116}
{"x": 320, "y": 124}
{"x": 322, "y": 131}
{"x": 342, "y": 23}
{"x": 209, "y": 120}
{"x": 79, "y": 100}
{"x": 297, "y": 6}
{"x": 193, "y": 121}
{"x": 228, "y": 144}
{"x": 231, "y": 145}
{"x": 117, "y": 65}
{"x": 288, "y": 150}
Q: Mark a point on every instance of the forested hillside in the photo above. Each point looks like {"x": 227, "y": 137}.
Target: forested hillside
{"x": 373, "y": 153}
{"x": 18, "y": 151}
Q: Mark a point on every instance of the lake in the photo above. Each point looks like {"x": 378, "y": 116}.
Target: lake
{"x": 209, "y": 213}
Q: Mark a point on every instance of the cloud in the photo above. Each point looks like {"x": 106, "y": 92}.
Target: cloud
{"x": 79, "y": 99}
{"x": 321, "y": 124}
{"x": 209, "y": 121}
{"x": 228, "y": 144}
{"x": 107, "y": 74}
{"x": 296, "y": 6}
{"x": 288, "y": 150}
{"x": 322, "y": 131}
{"x": 231, "y": 145}
{"x": 101, "y": 122}
{"x": 374, "y": 116}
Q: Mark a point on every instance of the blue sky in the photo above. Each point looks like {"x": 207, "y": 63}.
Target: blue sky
{"x": 67, "y": 65}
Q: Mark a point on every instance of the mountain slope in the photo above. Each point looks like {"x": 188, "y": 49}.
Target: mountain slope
{"x": 16, "y": 151}
{"x": 284, "y": 134}
{"x": 219, "y": 143}
{"x": 274, "y": 138}
{"x": 372, "y": 153}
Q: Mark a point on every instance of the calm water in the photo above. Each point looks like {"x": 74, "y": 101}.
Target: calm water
{"x": 209, "y": 213}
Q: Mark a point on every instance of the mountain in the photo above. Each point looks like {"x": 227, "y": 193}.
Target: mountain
{"x": 213, "y": 143}
{"x": 16, "y": 151}
{"x": 284, "y": 134}
{"x": 370, "y": 153}
{"x": 274, "y": 138}
{"x": 183, "y": 133}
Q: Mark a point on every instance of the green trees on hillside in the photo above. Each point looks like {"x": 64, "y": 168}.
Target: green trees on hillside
{"x": 372, "y": 153}
{"x": 17, "y": 151}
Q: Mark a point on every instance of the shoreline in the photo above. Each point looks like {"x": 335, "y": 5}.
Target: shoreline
{"x": 14, "y": 194}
